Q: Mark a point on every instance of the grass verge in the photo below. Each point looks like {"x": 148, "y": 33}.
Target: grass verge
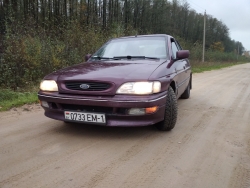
{"x": 200, "y": 67}
{"x": 9, "y": 99}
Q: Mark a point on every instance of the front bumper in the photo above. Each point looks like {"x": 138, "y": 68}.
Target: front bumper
{"x": 114, "y": 107}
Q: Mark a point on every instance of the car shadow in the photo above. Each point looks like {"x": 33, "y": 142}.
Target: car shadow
{"x": 95, "y": 131}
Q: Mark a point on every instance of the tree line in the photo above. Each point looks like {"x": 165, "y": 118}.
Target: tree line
{"x": 40, "y": 36}
{"x": 143, "y": 16}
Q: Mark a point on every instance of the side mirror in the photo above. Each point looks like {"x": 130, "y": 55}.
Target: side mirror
{"x": 182, "y": 54}
{"x": 87, "y": 57}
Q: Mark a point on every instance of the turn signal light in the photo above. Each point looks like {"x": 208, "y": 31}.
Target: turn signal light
{"x": 151, "y": 110}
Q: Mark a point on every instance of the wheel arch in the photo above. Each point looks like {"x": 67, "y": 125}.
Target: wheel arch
{"x": 173, "y": 85}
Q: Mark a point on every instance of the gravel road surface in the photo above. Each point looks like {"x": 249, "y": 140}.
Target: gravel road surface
{"x": 209, "y": 147}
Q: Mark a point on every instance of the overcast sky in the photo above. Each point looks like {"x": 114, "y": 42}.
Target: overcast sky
{"x": 235, "y": 14}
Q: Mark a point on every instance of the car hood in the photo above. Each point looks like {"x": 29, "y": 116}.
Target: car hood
{"x": 113, "y": 72}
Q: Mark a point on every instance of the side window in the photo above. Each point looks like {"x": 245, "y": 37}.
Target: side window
{"x": 179, "y": 46}
{"x": 174, "y": 49}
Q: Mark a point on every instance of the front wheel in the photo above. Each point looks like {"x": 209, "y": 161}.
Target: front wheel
{"x": 171, "y": 109}
{"x": 186, "y": 93}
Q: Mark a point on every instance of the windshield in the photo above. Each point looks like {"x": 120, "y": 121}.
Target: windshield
{"x": 154, "y": 47}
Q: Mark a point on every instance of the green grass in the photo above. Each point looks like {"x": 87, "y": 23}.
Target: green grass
{"x": 9, "y": 99}
{"x": 198, "y": 68}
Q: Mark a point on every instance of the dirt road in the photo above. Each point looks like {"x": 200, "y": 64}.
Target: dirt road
{"x": 209, "y": 147}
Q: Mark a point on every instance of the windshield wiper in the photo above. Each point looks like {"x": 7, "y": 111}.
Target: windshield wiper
{"x": 136, "y": 57}
{"x": 98, "y": 57}
{"x": 123, "y": 57}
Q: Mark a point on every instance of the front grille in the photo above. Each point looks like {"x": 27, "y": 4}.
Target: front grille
{"x": 84, "y": 108}
{"x": 93, "y": 109}
{"x": 92, "y": 86}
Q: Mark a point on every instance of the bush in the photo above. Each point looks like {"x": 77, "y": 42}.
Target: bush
{"x": 30, "y": 51}
{"x": 211, "y": 55}
{"x": 31, "y": 54}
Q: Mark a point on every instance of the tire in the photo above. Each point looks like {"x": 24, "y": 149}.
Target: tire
{"x": 186, "y": 93}
{"x": 170, "y": 115}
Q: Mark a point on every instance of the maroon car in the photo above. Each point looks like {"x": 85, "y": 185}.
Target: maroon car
{"x": 129, "y": 81}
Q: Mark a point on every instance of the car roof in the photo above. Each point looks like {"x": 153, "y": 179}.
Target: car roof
{"x": 152, "y": 35}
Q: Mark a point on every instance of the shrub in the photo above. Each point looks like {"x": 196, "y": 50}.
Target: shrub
{"x": 31, "y": 51}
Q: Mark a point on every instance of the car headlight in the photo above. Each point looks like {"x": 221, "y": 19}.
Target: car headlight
{"x": 48, "y": 85}
{"x": 140, "y": 88}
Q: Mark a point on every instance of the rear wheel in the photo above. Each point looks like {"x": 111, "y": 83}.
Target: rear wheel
{"x": 171, "y": 109}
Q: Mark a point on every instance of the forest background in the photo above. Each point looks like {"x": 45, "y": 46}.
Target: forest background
{"x": 40, "y": 36}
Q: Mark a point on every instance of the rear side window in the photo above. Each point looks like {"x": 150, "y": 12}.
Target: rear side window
{"x": 174, "y": 49}
{"x": 178, "y": 45}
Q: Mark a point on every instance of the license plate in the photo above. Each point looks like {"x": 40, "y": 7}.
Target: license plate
{"x": 85, "y": 117}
